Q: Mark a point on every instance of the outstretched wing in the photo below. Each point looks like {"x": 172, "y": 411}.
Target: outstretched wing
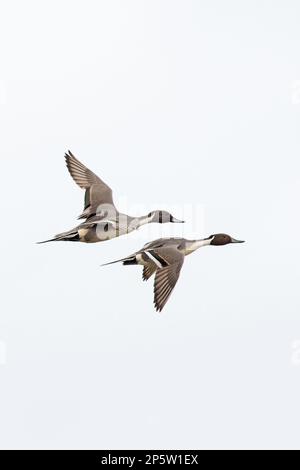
{"x": 97, "y": 193}
{"x": 166, "y": 277}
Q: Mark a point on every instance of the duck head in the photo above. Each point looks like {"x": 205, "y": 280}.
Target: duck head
{"x": 163, "y": 217}
{"x": 220, "y": 239}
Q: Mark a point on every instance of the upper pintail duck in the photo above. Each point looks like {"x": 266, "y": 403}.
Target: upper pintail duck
{"x": 103, "y": 220}
{"x": 165, "y": 257}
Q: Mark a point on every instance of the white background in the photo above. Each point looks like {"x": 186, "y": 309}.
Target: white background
{"x": 172, "y": 103}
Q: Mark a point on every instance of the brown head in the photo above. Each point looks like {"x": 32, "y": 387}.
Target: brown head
{"x": 220, "y": 239}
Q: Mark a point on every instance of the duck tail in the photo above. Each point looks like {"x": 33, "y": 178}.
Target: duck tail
{"x": 125, "y": 261}
{"x": 47, "y": 241}
{"x": 72, "y": 236}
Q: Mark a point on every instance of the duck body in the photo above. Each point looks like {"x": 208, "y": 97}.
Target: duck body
{"x": 97, "y": 229}
{"x": 103, "y": 220}
{"x": 164, "y": 257}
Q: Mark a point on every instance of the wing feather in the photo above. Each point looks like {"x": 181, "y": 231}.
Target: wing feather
{"x": 148, "y": 271}
{"x": 97, "y": 193}
{"x": 167, "y": 277}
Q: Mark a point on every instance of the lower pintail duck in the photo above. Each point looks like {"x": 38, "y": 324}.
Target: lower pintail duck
{"x": 103, "y": 220}
{"x": 165, "y": 257}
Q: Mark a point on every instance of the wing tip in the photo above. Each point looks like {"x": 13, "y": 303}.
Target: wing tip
{"x": 158, "y": 307}
{"x": 69, "y": 155}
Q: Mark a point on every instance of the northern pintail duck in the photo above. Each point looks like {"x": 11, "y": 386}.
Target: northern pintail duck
{"x": 103, "y": 220}
{"x": 165, "y": 257}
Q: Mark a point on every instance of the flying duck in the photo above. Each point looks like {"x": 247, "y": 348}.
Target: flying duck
{"x": 165, "y": 257}
{"x": 103, "y": 220}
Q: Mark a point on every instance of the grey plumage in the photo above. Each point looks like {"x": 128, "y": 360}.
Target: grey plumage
{"x": 97, "y": 193}
{"x": 103, "y": 220}
{"x": 164, "y": 257}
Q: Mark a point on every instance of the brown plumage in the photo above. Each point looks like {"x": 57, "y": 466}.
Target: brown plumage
{"x": 148, "y": 271}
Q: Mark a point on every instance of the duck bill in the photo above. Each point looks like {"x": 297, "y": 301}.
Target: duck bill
{"x": 177, "y": 221}
{"x": 233, "y": 240}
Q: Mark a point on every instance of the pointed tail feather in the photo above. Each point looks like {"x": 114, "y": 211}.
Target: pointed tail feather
{"x": 72, "y": 236}
{"x": 112, "y": 262}
{"x": 47, "y": 241}
{"x": 125, "y": 261}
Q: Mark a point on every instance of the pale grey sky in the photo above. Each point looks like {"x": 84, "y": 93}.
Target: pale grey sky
{"x": 186, "y": 105}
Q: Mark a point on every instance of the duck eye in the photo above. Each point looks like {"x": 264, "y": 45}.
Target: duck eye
{"x": 150, "y": 214}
